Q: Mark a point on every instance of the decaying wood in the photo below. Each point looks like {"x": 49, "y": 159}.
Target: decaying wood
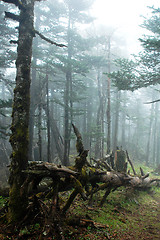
{"x": 45, "y": 169}
{"x": 141, "y": 170}
{"x": 120, "y": 163}
{"x": 130, "y": 162}
{"x": 101, "y": 163}
{"x": 81, "y": 160}
{"x": 82, "y": 222}
{"x": 82, "y": 178}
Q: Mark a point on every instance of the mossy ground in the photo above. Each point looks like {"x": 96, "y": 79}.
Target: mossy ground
{"x": 125, "y": 215}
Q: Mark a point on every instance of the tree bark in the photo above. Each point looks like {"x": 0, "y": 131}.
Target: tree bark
{"x": 20, "y": 114}
{"x": 58, "y": 139}
{"x": 33, "y": 102}
{"x": 99, "y": 145}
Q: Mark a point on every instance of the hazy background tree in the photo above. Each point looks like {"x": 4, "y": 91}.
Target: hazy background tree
{"x": 70, "y": 85}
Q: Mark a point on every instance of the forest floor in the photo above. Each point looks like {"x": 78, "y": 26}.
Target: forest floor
{"x": 126, "y": 215}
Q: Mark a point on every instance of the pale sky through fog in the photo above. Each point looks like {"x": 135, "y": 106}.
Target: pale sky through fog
{"x": 124, "y": 15}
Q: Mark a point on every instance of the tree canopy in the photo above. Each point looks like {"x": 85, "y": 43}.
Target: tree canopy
{"x": 143, "y": 70}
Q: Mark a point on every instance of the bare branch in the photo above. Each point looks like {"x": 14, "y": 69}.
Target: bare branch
{"x": 12, "y": 16}
{"x": 155, "y": 180}
{"x": 158, "y": 100}
{"x": 145, "y": 176}
{"x": 17, "y": 3}
{"x": 48, "y": 40}
{"x": 142, "y": 173}
{"x": 79, "y": 143}
{"x": 14, "y": 42}
{"x": 134, "y": 172}
{"x": 11, "y": 1}
{"x": 4, "y": 133}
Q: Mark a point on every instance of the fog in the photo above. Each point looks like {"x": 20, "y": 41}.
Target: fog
{"x": 124, "y": 16}
{"x": 94, "y": 81}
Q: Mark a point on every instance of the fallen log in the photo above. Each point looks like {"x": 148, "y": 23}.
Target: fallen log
{"x": 82, "y": 178}
{"x": 95, "y": 179}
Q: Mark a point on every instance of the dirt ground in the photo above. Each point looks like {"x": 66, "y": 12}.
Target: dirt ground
{"x": 140, "y": 223}
{"x": 144, "y": 222}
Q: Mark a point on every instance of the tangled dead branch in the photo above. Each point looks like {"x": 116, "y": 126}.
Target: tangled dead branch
{"x": 84, "y": 178}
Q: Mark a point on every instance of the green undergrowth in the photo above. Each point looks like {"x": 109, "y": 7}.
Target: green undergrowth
{"x": 125, "y": 213}
{"x": 3, "y": 201}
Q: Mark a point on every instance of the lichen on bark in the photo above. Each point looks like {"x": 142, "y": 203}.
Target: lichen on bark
{"x": 20, "y": 114}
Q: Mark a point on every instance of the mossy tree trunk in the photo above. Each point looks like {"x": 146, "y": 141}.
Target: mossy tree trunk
{"x": 18, "y": 200}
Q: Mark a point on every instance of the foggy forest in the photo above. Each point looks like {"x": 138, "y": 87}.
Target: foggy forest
{"x": 79, "y": 124}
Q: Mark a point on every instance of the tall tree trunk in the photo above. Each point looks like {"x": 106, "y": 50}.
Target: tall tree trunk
{"x": 99, "y": 145}
{"x": 57, "y": 138}
{"x": 18, "y": 200}
{"x": 98, "y": 122}
{"x": 155, "y": 134}
{"x": 98, "y": 130}
{"x": 89, "y": 123}
{"x": 102, "y": 127}
{"x": 66, "y": 122}
{"x": 149, "y": 135}
{"x": 137, "y": 130}
{"x": 52, "y": 114}
{"x": 3, "y": 117}
{"x": 59, "y": 143}
{"x": 67, "y": 96}
{"x": 48, "y": 122}
{"x": 84, "y": 126}
{"x": 109, "y": 100}
{"x": 31, "y": 115}
{"x": 129, "y": 134}
{"x": 40, "y": 126}
{"x": 116, "y": 120}
{"x": 33, "y": 102}
{"x": 123, "y": 119}
{"x": 158, "y": 146}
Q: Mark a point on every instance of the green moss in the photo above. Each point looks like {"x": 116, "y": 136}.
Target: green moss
{"x": 85, "y": 174}
{"x": 18, "y": 203}
{"x": 19, "y": 133}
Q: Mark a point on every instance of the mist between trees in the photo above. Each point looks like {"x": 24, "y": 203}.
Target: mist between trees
{"x": 81, "y": 74}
